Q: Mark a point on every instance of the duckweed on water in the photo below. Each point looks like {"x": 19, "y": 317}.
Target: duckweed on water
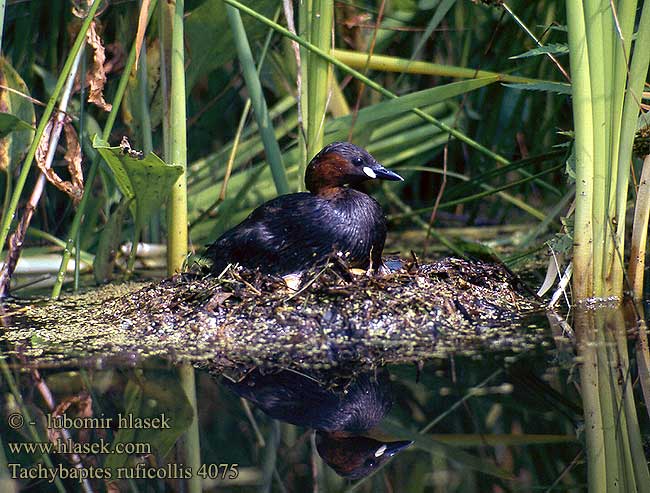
{"x": 451, "y": 305}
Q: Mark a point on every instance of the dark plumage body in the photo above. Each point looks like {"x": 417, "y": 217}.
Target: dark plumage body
{"x": 340, "y": 419}
{"x": 297, "y": 399}
{"x": 294, "y": 232}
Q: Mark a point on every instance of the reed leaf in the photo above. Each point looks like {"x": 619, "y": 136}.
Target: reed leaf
{"x": 264, "y": 123}
{"x": 319, "y": 73}
{"x": 377, "y": 87}
{"x": 395, "y": 107}
{"x": 386, "y": 63}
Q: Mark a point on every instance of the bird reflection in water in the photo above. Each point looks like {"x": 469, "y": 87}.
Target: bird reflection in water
{"x": 340, "y": 415}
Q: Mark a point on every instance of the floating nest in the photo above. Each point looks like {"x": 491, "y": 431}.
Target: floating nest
{"x": 244, "y": 317}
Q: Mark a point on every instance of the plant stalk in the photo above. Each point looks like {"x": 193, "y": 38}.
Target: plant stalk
{"x": 47, "y": 113}
{"x": 108, "y": 127}
{"x": 322, "y": 18}
{"x": 384, "y": 63}
{"x": 177, "y": 208}
{"x": 636, "y": 79}
{"x": 584, "y": 151}
{"x": 177, "y": 222}
{"x": 260, "y": 109}
{"x": 374, "y": 85}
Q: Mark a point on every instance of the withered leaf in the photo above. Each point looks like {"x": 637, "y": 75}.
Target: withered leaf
{"x": 74, "y": 187}
{"x": 96, "y": 78}
{"x": 73, "y": 158}
{"x": 44, "y": 145}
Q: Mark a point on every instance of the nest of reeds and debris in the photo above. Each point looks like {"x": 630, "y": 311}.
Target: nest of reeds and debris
{"x": 243, "y": 316}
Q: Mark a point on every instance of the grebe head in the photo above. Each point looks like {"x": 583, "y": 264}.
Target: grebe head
{"x": 343, "y": 163}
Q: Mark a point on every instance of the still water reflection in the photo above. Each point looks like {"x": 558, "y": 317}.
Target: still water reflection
{"x": 489, "y": 419}
{"x": 341, "y": 417}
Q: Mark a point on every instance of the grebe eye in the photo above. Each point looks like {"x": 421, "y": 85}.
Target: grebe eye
{"x": 357, "y": 161}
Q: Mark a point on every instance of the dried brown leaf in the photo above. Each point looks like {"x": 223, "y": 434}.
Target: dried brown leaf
{"x": 96, "y": 78}
{"x": 356, "y": 20}
{"x": 125, "y": 147}
{"x": 116, "y": 59}
{"x": 43, "y": 146}
{"x": 73, "y": 188}
{"x": 73, "y": 158}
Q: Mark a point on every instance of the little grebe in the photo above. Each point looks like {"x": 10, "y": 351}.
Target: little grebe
{"x": 341, "y": 419}
{"x": 294, "y": 232}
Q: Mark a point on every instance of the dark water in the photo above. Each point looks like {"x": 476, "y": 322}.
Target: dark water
{"x": 487, "y": 419}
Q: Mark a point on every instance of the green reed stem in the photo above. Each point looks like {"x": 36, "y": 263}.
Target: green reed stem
{"x": 636, "y": 79}
{"x": 47, "y": 113}
{"x": 593, "y": 11}
{"x": 358, "y": 75}
{"x": 82, "y": 117}
{"x": 584, "y": 150}
{"x": 264, "y": 123}
{"x": 318, "y": 93}
{"x": 242, "y": 119}
{"x": 622, "y": 43}
{"x": 108, "y": 127}
{"x": 177, "y": 208}
{"x": 177, "y": 223}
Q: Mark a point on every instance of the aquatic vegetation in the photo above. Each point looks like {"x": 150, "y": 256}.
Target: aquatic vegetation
{"x": 506, "y": 145}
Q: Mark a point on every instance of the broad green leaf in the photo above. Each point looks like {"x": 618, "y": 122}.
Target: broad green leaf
{"x": 152, "y": 396}
{"x": 112, "y": 156}
{"x": 552, "y": 49}
{"x": 555, "y": 87}
{"x": 10, "y": 123}
{"x": 339, "y": 128}
{"x": 18, "y": 114}
{"x": 148, "y": 180}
